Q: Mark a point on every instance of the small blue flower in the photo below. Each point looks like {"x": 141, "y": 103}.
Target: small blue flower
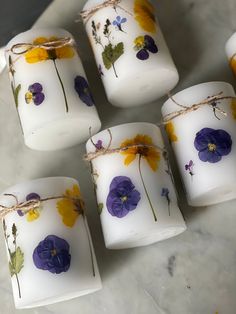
{"x": 118, "y": 21}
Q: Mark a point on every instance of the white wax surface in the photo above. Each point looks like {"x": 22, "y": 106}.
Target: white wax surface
{"x": 212, "y": 182}
{"x": 230, "y": 46}
{"x": 138, "y": 227}
{"x": 139, "y": 81}
{"x": 48, "y": 126}
{"x": 41, "y": 287}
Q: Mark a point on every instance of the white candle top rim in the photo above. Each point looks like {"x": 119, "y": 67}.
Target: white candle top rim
{"x": 230, "y": 46}
{"x": 169, "y": 106}
{"x": 37, "y": 32}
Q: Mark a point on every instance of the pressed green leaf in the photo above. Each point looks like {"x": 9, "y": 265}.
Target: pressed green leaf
{"x": 100, "y": 208}
{"x": 111, "y": 54}
{"x": 16, "y": 94}
{"x": 118, "y": 51}
{"x": 11, "y": 269}
{"x": 17, "y": 261}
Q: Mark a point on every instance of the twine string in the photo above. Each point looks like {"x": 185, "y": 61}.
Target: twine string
{"x": 108, "y": 150}
{"x": 210, "y": 101}
{"x": 26, "y": 206}
{"x": 87, "y": 14}
{"x": 21, "y": 48}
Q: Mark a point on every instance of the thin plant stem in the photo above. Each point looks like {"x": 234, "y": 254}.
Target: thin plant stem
{"x": 145, "y": 189}
{"x": 18, "y": 284}
{"x": 90, "y": 245}
{"x": 62, "y": 86}
{"x": 114, "y": 69}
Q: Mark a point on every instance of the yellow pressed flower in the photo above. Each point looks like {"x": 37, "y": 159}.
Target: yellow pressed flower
{"x": 40, "y": 54}
{"x": 144, "y": 15}
{"x": 71, "y": 209}
{"x": 150, "y": 154}
{"x": 232, "y": 64}
{"x": 170, "y": 130}
{"x": 32, "y": 215}
{"x": 233, "y": 108}
{"x": 139, "y": 42}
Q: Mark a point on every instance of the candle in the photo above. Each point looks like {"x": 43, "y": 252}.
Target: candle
{"x": 203, "y": 138}
{"x": 50, "y": 253}
{"x": 50, "y": 89}
{"x": 131, "y": 54}
{"x": 230, "y": 49}
{"x": 135, "y": 194}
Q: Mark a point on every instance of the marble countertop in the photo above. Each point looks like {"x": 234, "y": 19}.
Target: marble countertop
{"x": 194, "y": 273}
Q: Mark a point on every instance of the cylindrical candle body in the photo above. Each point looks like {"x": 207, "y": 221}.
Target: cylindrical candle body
{"x": 135, "y": 193}
{"x": 51, "y": 257}
{"x": 50, "y": 89}
{"x": 203, "y": 141}
{"x": 230, "y": 49}
{"x": 131, "y": 54}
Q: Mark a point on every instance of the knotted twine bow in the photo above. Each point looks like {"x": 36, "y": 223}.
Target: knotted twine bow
{"x": 26, "y": 206}
{"x": 87, "y": 14}
{"x": 210, "y": 101}
{"x": 21, "y": 48}
{"x": 107, "y": 151}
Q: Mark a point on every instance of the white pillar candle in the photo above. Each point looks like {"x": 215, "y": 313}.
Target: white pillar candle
{"x": 51, "y": 257}
{"x": 203, "y": 141}
{"x": 51, "y": 92}
{"x": 230, "y": 49}
{"x": 135, "y": 193}
{"x": 131, "y": 54}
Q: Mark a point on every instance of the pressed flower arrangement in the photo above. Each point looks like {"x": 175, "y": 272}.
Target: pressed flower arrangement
{"x": 126, "y": 35}
{"x": 201, "y": 128}
{"x": 59, "y": 243}
{"x": 134, "y": 186}
{"x": 52, "y": 95}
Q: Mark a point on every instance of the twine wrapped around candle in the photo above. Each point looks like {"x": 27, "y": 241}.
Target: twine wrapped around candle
{"x": 107, "y": 151}
{"x": 210, "y": 101}
{"x": 87, "y": 14}
{"x": 48, "y": 45}
{"x": 26, "y": 206}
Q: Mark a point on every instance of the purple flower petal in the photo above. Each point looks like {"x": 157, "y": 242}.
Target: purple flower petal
{"x": 206, "y": 155}
{"x": 35, "y": 88}
{"x": 32, "y": 196}
{"x": 115, "y": 23}
{"x": 150, "y": 44}
{"x": 122, "y": 197}
{"x": 82, "y": 88}
{"x": 99, "y": 145}
{"x": 142, "y": 54}
{"x": 38, "y": 98}
{"x": 52, "y": 254}
{"x": 124, "y": 19}
{"x": 212, "y": 144}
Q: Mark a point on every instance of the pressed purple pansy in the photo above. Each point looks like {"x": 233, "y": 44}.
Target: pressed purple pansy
{"x": 119, "y": 21}
{"x": 122, "y": 197}
{"x": 144, "y": 45}
{"x": 35, "y": 94}
{"x": 30, "y": 196}
{"x": 82, "y": 88}
{"x": 212, "y": 144}
{"x": 52, "y": 254}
